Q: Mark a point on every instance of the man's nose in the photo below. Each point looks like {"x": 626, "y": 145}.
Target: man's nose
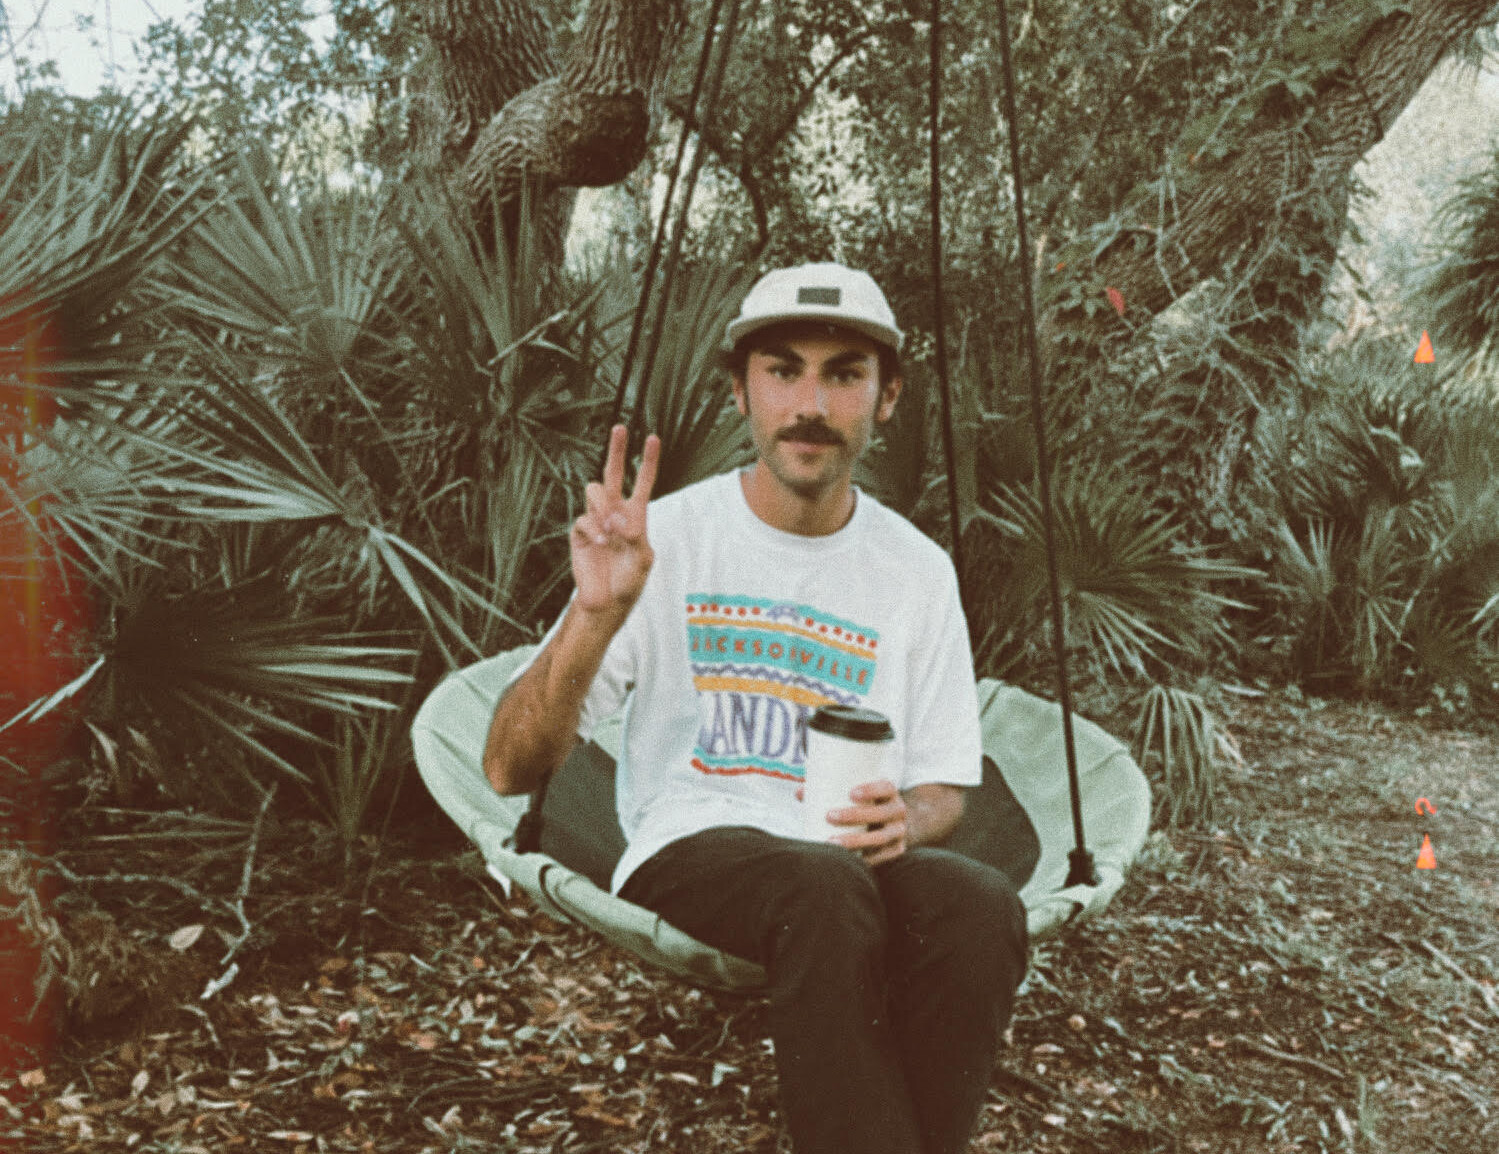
{"x": 811, "y": 393}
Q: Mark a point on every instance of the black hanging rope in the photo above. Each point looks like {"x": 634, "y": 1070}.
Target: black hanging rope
{"x": 648, "y": 280}
{"x": 934, "y": 89}
{"x": 528, "y": 829}
{"x": 1080, "y": 868}
{"x": 680, "y": 230}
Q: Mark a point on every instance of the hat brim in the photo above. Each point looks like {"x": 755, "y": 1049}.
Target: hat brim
{"x": 743, "y": 327}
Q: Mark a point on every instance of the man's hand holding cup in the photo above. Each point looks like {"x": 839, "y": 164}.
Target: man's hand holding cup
{"x": 879, "y": 812}
{"x": 848, "y": 795}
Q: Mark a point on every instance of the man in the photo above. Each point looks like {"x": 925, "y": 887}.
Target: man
{"x": 756, "y": 596}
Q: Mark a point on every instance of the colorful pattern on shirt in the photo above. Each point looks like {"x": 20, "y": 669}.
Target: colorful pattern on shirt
{"x": 761, "y": 669}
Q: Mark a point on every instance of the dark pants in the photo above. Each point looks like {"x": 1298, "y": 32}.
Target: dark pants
{"x": 889, "y": 987}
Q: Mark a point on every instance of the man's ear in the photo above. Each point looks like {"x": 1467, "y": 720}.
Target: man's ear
{"x": 889, "y": 391}
{"x": 741, "y": 397}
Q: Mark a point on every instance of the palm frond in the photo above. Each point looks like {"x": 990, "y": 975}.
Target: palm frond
{"x": 77, "y": 250}
{"x": 1132, "y": 589}
{"x": 294, "y": 282}
{"x": 1176, "y": 737}
{"x": 687, "y": 397}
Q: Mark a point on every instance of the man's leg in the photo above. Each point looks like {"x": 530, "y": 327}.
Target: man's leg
{"x": 812, "y": 916}
{"x": 957, "y": 953}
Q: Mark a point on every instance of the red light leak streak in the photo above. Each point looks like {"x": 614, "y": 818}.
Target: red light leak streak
{"x": 44, "y": 624}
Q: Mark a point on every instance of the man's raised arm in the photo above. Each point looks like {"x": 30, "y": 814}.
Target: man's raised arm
{"x": 536, "y": 723}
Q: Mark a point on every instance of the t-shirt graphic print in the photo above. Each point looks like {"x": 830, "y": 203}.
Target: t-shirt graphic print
{"x": 761, "y": 669}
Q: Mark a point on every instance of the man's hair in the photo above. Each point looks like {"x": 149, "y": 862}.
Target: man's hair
{"x": 733, "y": 361}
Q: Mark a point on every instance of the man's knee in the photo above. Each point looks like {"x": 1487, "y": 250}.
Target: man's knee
{"x": 826, "y": 889}
{"x": 973, "y": 903}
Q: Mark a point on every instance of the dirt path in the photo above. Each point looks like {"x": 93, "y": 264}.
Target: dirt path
{"x": 1288, "y": 981}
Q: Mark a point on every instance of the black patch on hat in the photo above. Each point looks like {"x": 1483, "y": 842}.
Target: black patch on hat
{"x": 819, "y": 296}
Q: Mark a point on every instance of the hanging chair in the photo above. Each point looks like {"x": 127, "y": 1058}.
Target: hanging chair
{"x": 1047, "y": 775}
{"x": 1018, "y": 819}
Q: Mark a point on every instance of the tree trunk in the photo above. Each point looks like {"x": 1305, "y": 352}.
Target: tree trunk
{"x": 1289, "y": 177}
{"x": 488, "y": 52}
{"x": 516, "y": 118}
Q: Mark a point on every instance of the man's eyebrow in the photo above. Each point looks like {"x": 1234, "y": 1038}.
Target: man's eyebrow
{"x": 786, "y": 353}
{"x": 780, "y": 353}
{"x": 852, "y": 357}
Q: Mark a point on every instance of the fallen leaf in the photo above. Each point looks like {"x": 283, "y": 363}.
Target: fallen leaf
{"x": 31, "y": 1079}
{"x": 186, "y": 937}
{"x": 619, "y": 1121}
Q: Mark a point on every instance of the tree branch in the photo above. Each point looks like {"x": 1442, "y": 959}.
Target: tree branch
{"x": 739, "y": 161}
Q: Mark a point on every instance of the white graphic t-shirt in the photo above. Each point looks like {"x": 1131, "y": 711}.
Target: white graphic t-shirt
{"x": 743, "y": 630}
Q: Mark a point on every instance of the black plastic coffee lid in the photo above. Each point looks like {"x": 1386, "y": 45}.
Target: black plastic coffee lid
{"x": 852, "y": 722}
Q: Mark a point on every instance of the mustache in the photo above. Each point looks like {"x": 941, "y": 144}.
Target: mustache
{"x": 814, "y": 434}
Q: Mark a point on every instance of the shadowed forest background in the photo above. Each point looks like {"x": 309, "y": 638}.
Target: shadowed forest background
{"x": 308, "y": 346}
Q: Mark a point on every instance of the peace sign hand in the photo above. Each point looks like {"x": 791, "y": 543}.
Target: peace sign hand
{"x": 611, "y": 554}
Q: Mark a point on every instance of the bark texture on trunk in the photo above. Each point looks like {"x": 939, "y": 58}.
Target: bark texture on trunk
{"x": 1282, "y": 171}
{"x": 487, "y": 53}
{"x": 520, "y": 117}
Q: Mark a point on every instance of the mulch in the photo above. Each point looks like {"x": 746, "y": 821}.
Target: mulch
{"x": 1287, "y": 980}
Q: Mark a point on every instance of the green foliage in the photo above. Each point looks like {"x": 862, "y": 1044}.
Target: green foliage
{"x": 687, "y": 396}
{"x": 347, "y": 460}
{"x": 323, "y": 443}
{"x": 1461, "y": 288}
{"x": 348, "y": 776}
{"x": 1136, "y": 593}
{"x": 84, "y": 217}
{"x": 1176, "y": 740}
{"x": 1380, "y": 527}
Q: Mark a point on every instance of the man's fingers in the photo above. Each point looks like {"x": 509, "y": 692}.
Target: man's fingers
{"x": 614, "y": 463}
{"x": 880, "y": 857}
{"x": 586, "y": 528}
{"x": 868, "y": 814}
{"x": 594, "y": 500}
{"x": 601, "y": 526}
{"x": 865, "y": 841}
{"x": 645, "y": 477}
{"x": 875, "y": 791}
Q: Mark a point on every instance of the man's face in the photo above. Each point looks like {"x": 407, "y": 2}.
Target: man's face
{"x": 812, "y": 396}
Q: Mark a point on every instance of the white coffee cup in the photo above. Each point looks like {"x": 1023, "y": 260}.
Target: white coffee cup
{"x": 846, "y": 747}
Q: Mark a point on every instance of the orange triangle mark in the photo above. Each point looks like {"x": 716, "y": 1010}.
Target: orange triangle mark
{"x": 1427, "y": 858}
{"x": 1424, "y": 353}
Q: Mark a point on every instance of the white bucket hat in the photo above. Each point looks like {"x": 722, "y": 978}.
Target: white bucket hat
{"x": 817, "y": 292}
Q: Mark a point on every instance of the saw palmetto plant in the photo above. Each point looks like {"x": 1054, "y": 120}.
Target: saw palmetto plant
{"x": 330, "y": 448}
{"x": 1135, "y": 592}
{"x": 1382, "y": 527}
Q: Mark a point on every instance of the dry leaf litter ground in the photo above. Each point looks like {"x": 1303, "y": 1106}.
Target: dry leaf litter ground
{"x": 1287, "y": 981}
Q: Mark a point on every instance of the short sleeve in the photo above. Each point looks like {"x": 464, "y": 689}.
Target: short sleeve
{"x": 614, "y": 680}
{"x": 944, "y": 743}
